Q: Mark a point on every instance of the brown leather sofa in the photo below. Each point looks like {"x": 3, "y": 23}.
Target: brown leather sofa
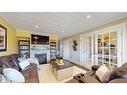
{"x": 11, "y": 61}
{"x": 118, "y": 75}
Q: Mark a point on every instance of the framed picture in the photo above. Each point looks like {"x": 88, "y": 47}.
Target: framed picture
{"x": 3, "y": 38}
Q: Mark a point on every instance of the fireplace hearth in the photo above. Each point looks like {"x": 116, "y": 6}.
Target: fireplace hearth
{"x": 42, "y": 58}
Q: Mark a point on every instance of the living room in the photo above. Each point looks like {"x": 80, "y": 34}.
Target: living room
{"x": 66, "y": 47}
{"x": 63, "y": 47}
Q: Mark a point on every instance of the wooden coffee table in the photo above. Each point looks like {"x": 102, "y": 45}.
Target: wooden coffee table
{"x": 61, "y": 71}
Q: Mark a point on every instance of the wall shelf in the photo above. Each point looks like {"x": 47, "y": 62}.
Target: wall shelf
{"x": 52, "y": 50}
{"x": 24, "y": 47}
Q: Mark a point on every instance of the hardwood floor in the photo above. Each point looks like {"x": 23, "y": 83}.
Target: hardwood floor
{"x": 82, "y": 67}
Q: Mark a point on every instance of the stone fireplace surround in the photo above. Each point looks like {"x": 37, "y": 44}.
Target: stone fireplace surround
{"x": 40, "y": 49}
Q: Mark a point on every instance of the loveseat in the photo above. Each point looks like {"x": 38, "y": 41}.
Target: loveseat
{"x": 118, "y": 75}
{"x": 30, "y": 73}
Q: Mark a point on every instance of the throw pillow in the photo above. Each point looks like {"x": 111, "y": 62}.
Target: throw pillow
{"x": 102, "y": 73}
{"x": 109, "y": 76}
{"x": 21, "y": 59}
{"x": 34, "y": 61}
{"x": 13, "y": 75}
{"x": 24, "y": 64}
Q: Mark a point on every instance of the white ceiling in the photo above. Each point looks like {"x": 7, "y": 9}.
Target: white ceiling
{"x": 56, "y": 22}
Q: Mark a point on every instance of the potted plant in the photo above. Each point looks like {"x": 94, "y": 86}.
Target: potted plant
{"x": 59, "y": 60}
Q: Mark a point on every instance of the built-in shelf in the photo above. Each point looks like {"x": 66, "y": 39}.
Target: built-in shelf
{"x": 52, "y": 50}
{"x": 24, "y": 47}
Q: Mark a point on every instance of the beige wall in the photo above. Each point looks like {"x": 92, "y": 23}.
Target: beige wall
{"x": 68, "y": 52}
{"x": 75, "y": 54}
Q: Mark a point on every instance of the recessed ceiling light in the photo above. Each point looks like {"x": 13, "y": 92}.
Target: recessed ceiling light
{"x": 88, "y": 16}
{"x": 36, "y": 26}
{"x": 63, "y": 31}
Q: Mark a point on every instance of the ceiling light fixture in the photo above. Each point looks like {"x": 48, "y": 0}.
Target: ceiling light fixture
{"x": 88, "y": 16}
{"x": 63, "y": 31}
{"x": 36, "y": 26}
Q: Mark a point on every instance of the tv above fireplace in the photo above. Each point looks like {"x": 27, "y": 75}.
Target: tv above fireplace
{"x": 38, "y": 39}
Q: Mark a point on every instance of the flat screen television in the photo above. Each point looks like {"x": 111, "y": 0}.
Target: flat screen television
{"x": 38, "y": 39}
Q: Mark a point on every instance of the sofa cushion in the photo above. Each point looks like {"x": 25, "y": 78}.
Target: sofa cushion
{"x": 123, "y": 67}
{"x": 13, "y": 75}
{"x": 1, "y": 67}
{"x": 4, "y": 63}
{"x": 1, "y": 70}
{"x": 12, "y": 63}
{"x": 8, "y": 62}
{"x": 1, "y": 63}
{"x": 123, "y": 75}
{"x": 102, "y": 73}
{"x": 118, "y": 80}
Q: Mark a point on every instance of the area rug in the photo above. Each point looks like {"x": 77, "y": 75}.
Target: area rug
{"x": 46, "y": 76}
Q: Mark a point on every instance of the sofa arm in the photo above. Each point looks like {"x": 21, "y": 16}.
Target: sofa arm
{"x": 118, "y": 80}
{"x": 95, "y": 67}
{"x": 27, "y": 70}
{"x": 31, "y": 66}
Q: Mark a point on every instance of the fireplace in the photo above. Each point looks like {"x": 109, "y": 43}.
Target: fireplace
{"x": 42, "y": 58}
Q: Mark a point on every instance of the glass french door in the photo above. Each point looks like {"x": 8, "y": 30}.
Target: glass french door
{"x": 91, "y": 48}
{"x": 107, "y": 48}
{"x": 88, "y": 48}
